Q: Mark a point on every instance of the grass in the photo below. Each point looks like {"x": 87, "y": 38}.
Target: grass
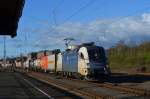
{"x": 125, "y": 57}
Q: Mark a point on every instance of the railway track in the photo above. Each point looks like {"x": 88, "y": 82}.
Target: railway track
{"x": 127, "y": 89}
{"x": 71, "y": 88}
{"x": 122, "y": 88}
{"x": 49, "y": 91}
{"x": 24, "y": 86}
{"x": 12, "y": 86}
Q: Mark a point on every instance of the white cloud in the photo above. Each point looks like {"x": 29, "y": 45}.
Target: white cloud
{"x": 146, "y": 17}
{"x": 103, "y": 31}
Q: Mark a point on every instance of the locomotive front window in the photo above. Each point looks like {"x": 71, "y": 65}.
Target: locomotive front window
{"x": 97, "y": 55}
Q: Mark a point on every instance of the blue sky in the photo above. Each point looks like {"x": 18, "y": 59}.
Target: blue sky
{"x": 45, "y": 23}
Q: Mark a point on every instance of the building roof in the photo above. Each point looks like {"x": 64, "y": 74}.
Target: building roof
{"x": 10, "y": 13}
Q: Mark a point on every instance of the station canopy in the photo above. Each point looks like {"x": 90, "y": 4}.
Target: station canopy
{"x": 10, "y": 13}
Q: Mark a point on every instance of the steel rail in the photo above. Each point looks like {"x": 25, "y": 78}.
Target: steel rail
{"x": 71, "y": 88}
{"x": 117, "y": 87}
{"x": 123, "y": 88}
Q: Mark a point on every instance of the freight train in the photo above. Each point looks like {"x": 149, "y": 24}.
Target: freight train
{"x": 84, "y": 61}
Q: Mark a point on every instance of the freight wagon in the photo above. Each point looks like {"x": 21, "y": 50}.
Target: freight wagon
{"x": 18, "y": 63}
{"x": 26, "y": 64}
{"x": 50, "y": 62}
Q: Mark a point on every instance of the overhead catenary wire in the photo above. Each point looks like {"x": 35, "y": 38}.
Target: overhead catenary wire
{"x": 91, "y": 2}
{"x": 78, "y": 11}
{"x": 54, "y": 14}
{"x": 54, "y": 17}
{"x": 83, "y": 8}
{"x": 54, "y": 11}
{"x": 44, "y": 22}
{"x": 74, "y": 14}
{"x": 58, "y": 5}
{"x": 39, "y": 21}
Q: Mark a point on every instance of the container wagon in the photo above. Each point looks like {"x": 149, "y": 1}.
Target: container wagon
{"x": 52, "y": 62}
{"x": 18, "y": 63}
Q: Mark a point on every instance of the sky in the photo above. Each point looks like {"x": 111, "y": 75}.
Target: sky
{"x": 46, "y": 23}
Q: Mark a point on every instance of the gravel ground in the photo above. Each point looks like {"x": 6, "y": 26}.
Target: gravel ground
{"x": 17, "y": 86}
{"x": 90, "y": 87}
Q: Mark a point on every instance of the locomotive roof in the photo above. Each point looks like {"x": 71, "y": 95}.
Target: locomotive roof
{"x": 91, "y": 47}
{"x": 87, "y": 46}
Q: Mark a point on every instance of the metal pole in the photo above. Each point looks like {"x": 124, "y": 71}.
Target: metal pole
{"x": 4, "y": 51}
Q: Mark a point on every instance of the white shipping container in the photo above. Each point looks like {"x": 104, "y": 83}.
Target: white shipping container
{"x": 51, "y": 62}
{"x": 18, "y": 64}
{"x": 38, "y": 64}
{"x": 59, "y": 62}
{"x": 26, "y": 64}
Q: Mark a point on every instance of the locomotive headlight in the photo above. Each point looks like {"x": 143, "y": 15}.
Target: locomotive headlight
{"x": 107, "y": 66}
{"x": 104, "y": 68}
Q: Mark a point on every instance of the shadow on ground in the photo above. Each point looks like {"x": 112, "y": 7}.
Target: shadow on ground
{"x": 126, "y": 78}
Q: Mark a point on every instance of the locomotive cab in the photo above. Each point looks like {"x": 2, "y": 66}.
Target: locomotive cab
{"x": 93, "y": 61}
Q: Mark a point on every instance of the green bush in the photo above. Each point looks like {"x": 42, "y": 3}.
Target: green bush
{"x": 123, "y": 56}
